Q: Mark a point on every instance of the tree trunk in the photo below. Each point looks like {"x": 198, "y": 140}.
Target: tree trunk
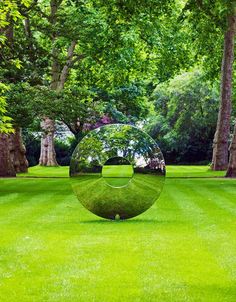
{"x": 58, "y": 78}
{"x": 220, "y": 143}
{"x": 48, "y": 154}
{"x": 6, "y": 166}
{"x": 17, "y": 152}
{"x": 231, "y": 171}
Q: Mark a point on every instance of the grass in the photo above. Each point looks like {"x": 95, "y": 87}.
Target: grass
{"x": 172, "y": 171}
{"x": 117, "y": 171}
{"x": 193, "y": 171}
{"x": 117, "y": 175}
{"x": 46, "y": 172}
{"x": 182, "y": 249}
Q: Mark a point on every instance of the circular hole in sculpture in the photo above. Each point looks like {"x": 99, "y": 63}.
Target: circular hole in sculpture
{"x": 117, "y": 172}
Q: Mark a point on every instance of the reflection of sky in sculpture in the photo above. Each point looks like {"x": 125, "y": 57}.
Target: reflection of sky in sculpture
{"x": 123, "y": 141}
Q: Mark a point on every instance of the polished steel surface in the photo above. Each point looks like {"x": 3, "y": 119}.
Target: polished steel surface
{"x": 117, "y": 171}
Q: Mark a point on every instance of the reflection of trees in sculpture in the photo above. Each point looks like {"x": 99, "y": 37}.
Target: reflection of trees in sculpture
{"x": 117, "y": 188}
{"x": 119, "y": 141}
{"x": 90, "y": 154}
{"x": 140, "y": 150}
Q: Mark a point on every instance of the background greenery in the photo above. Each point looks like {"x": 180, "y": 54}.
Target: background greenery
{"x": 158, "y": 70}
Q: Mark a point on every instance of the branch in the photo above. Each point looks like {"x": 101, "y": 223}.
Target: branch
{"x": 70, "y": 126}
{"x": 23, "y": 9}
{"x": 77, "y": 58}
{"x": 54, "y": 5}
{"x": 65, "y": 69}
{"x": 29, "y": 37}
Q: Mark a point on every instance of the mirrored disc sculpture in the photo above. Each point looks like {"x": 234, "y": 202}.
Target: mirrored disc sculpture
{"x": 117, "y": 171}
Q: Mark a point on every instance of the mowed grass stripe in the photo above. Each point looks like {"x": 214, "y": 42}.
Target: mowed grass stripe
{"x": 222, "y": 201}
{"x": 192, "y": 171}
{"x": 82, "y": 261}
{"x": 169, "y": 253}
{"x": 105, "y": 261}
{"x": 188, "y": 210}
{"x": 86, "y": 270}
{"x": 65, "y": 212}
{"x": 220, "y": 243}
{"x": 27, "y": 209}
{"x": 175, "y": 256}
{"x": 35, "y": 186}
{"x": 25, "y": 219}
{"x": 212, "y": 205}
{"x": 8, "y": 198}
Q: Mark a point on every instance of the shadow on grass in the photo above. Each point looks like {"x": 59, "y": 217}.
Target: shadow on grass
{"x": 129, "y": 221}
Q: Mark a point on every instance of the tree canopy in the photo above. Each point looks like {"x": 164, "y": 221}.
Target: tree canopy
{"x": 85, "y": 63}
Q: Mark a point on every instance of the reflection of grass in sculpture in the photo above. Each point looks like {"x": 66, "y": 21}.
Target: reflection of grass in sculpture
{"x": 117, "y": 171}
{"x": 117, "y": 175}
{"x": 128, "y": 201}
{"x": 117, "y": 182}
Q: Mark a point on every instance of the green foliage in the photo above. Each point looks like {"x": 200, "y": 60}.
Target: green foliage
{"x": 19, "y": 105}
{"x": 77, "y": 106}
{"x": 123, "y": 50}
{"x": 207, "y": 21}
{"x": 5, "y": 121}
{"x": 9, "y": 12}
{"x": 64, "y": 149}
{"x": 185, "y": 113}
{"x": 32, "y": 144}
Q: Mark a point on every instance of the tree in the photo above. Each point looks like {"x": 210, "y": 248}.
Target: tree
{"x": 84, "y": 109}
{"x": 95, "y": 45}
{"x": 221, "y": 138}
{"x": 9, "y": 13}
{"x": 184, "y": 117}
{"x": 6, "y": 167}
{"x": 231, "y": 169}
{"x": 20, "y": 109}
{"x": 213, "y": 24}
{"x": 58, "y": 78}
{"x": 5, "y": 121}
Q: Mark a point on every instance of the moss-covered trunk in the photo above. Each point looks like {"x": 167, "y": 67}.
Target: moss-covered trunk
{"x": 231, "y": 171}
{"x": 17, "y": 151}
{"x": 221, "y": 138}
{"x": 6, "y": 166}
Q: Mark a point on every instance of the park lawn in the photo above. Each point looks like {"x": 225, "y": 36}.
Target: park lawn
{"x": 182, "y": 249}
{"x": 172, "y": 171}
{"x": 47, "y": 172}
{"x": 192, "y": 171}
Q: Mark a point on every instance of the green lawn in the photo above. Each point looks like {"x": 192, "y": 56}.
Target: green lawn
{"x": 38, "y": 171}
{"x": 117, "y": 171}
{"x": 172, "y": 171}
{"x": 117, "y": 175}
{"x": 182, "y": 249}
